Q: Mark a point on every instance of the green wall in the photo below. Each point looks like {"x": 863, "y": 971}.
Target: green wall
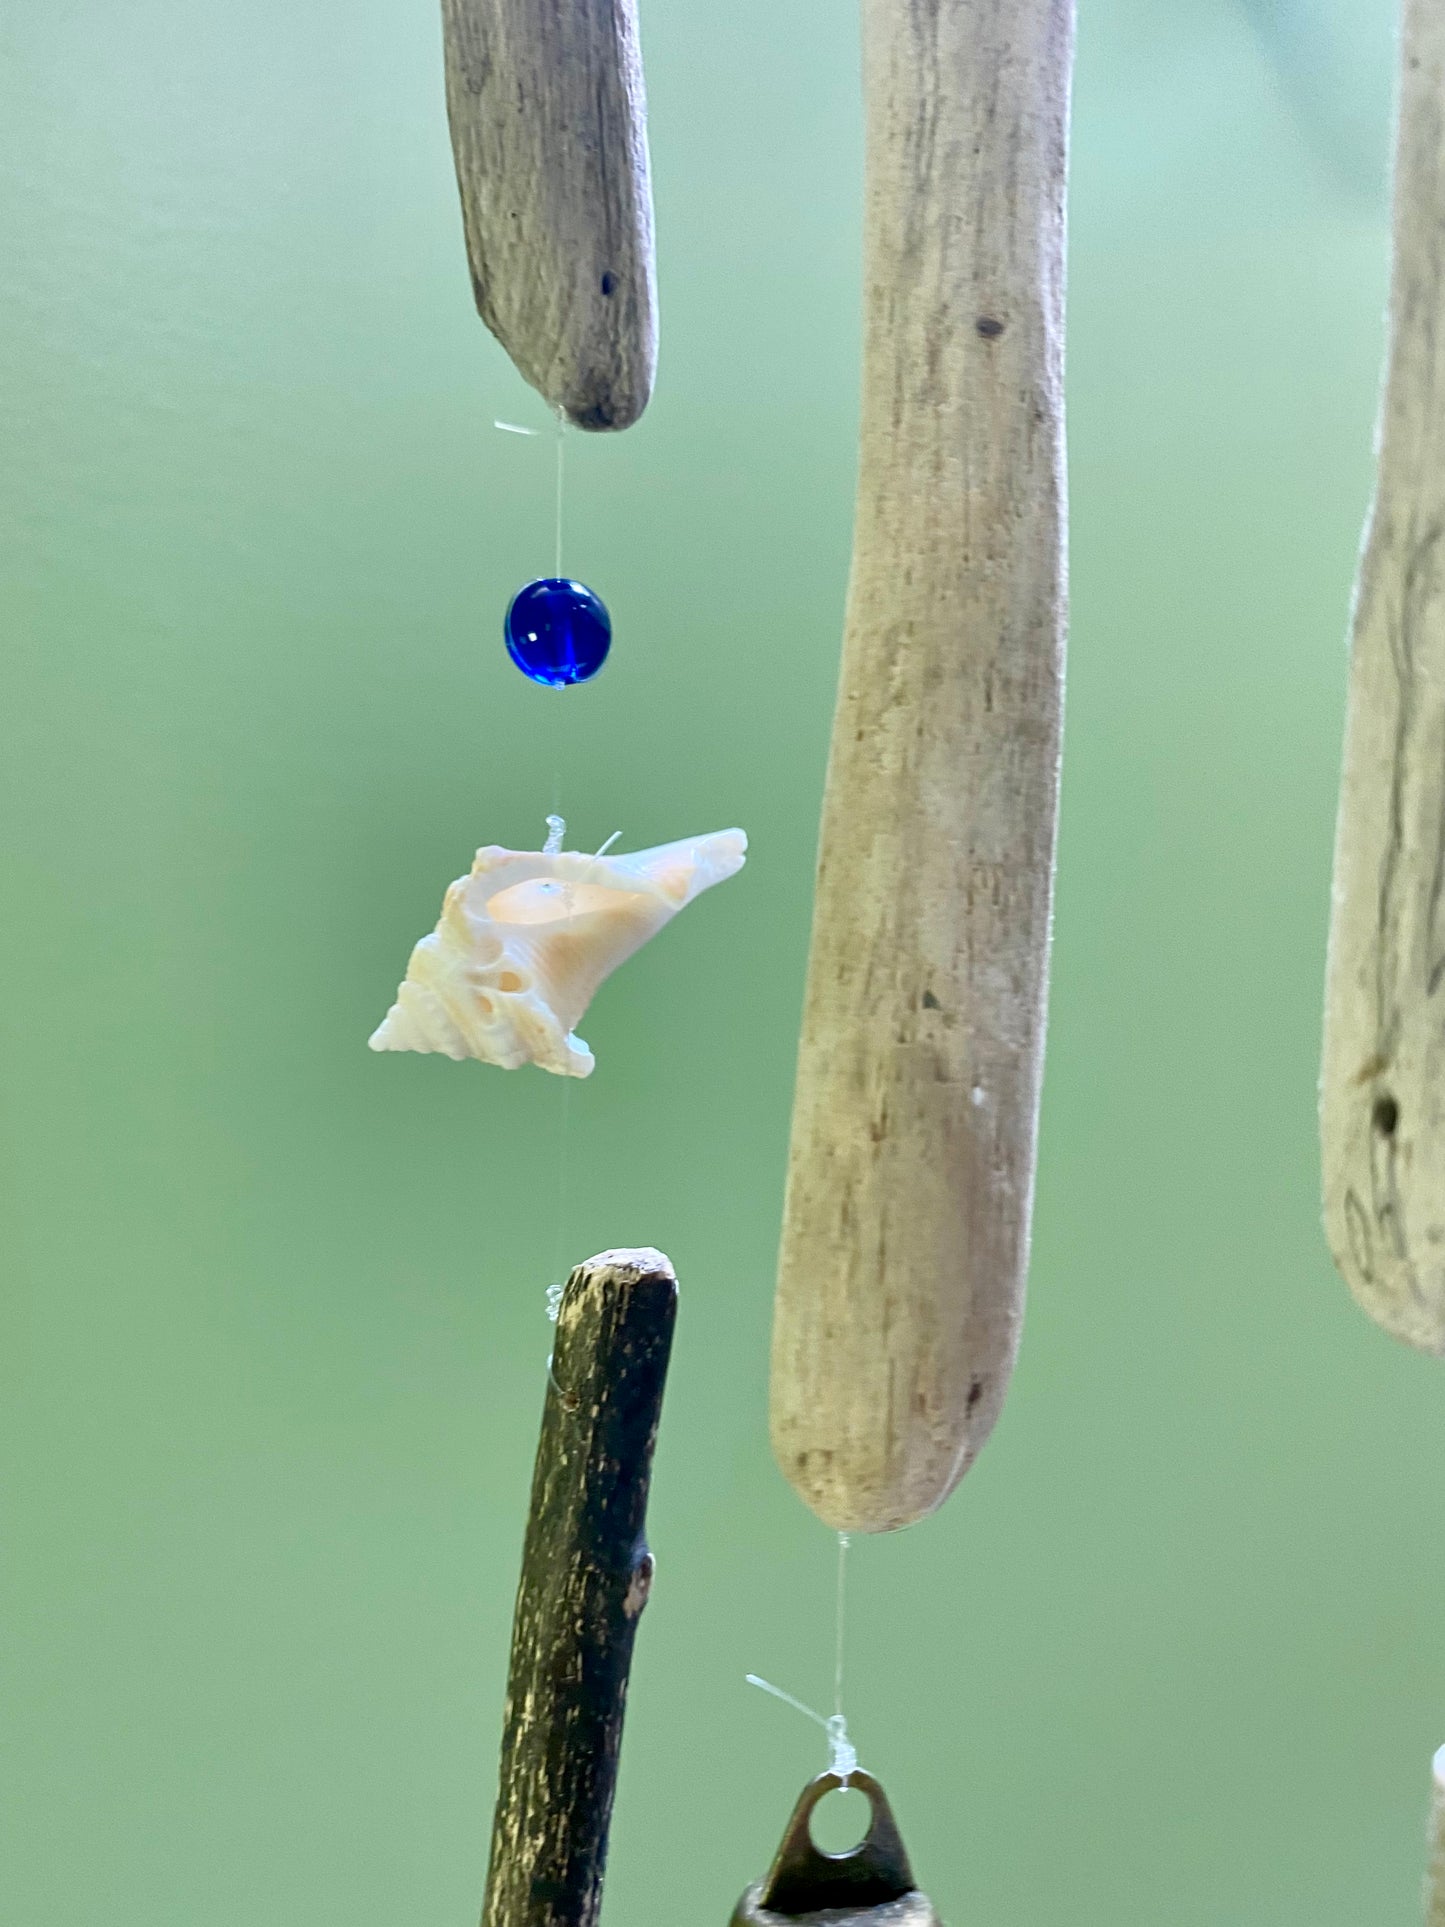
{"x": 271, "y": 1329}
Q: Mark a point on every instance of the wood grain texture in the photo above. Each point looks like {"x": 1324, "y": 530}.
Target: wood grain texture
{"x": 549, "y": 131}
{"x": 905, "y": 1238}
{"x": 1382, "y": 1088}
{"x": 586, "y": 1572}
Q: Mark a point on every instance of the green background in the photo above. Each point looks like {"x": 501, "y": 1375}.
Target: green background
{"x": 272, "y": 1331}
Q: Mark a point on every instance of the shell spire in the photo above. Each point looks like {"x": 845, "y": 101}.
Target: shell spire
{"x": 526, "y": 938}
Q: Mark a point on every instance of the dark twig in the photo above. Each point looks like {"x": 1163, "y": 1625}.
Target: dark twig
{"x": 586, "y": 1570}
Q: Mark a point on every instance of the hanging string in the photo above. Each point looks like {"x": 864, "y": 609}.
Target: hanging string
{"x": 843, "y": 1759}
{"x": 561, "y": 446}
{"x": 838, "y": 1625}
{"x": 557, "y": 575}
{"x": 556, "y": 833}
{"x": 517, "y": 428}
{"x": 844, "y": 1755}
{"x": 564, "y": 1138}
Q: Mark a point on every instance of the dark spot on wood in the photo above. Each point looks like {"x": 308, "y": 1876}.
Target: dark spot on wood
{"x": 1386, "y": 1115}
{"x": 975, "y": 1393}
{"x": 549, "y": 1893}
{"x": 597, "y": 415}
{"x": 930, "y": 1002}
{"x": 989, "y": 326}
{"x": 609, "y": 283}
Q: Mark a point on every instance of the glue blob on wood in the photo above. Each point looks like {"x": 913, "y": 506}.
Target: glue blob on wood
{"x": 910, "y": 1182}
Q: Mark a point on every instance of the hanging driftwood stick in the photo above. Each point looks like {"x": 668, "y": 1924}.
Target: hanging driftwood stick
{"x": 549, "y": 131}
{"x": 905, "y": 1239}
{"x": 1382, "y": 1090}
{"x": 586, "y": 1570}
{"x": 1435, "y": 1879}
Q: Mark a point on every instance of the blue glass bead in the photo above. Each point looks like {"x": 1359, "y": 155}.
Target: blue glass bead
{"x": 558, "y": 632}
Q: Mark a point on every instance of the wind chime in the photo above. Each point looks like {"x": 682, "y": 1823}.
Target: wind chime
{"x": 911, "y": 1168}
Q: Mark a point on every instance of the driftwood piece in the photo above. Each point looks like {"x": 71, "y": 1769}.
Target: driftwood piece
{"x": 1382, "y": 1089}
{"x": 1436, "y": 1875}
{"x": 910, "y": 1181}
{"x": 549, "y": 130}
{"x": 586, "y": 1571}
{"x": 1435, "y": 1878}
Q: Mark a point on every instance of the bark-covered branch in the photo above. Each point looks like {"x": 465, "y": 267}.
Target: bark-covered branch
{"x": 586, "y": 1571}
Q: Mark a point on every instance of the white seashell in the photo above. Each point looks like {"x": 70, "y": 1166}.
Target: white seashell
{"x": 524, "y": 941}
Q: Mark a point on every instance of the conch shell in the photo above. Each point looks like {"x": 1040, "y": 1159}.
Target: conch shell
{"x": 525, "y": 940}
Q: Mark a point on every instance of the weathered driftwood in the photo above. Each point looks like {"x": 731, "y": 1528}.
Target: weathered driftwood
{"x": 586, "y": 1570}
{"x": 549, "y": 131}
{"x": 1382, "y": 1094}
{"x": 1435, "y": 1879}
{"x": 905, "y": 1240}
{"x": 1435, "y": 1874}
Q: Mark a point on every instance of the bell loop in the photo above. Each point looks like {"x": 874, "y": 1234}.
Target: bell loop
{"x": 871, "y": 1885}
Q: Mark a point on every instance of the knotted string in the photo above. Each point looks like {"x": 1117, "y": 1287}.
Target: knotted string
{"x": 843, "y": 1759}
{"x": 844, "y": 1755}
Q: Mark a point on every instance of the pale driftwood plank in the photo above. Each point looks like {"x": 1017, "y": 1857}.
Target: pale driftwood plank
{"x": 586, "y": 1572}
{"x": 1382, "y": 1092}
{"x": 549, "y": 131}
{"x": 910, "y": 1182}
{"x": 1435, "y": 1878}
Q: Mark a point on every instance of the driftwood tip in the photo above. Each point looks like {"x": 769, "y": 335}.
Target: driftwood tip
{"x": 631, "y": 1262}
{"x": 634, "y": 1285}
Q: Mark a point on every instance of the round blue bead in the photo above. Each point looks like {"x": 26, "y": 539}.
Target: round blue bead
{"x": 558, "y": 632}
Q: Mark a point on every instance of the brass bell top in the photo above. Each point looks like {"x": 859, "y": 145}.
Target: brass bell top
{"x": 869, "y": 1886}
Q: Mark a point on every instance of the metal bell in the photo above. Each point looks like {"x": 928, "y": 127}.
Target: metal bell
{"x": 870, "y": 1886}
